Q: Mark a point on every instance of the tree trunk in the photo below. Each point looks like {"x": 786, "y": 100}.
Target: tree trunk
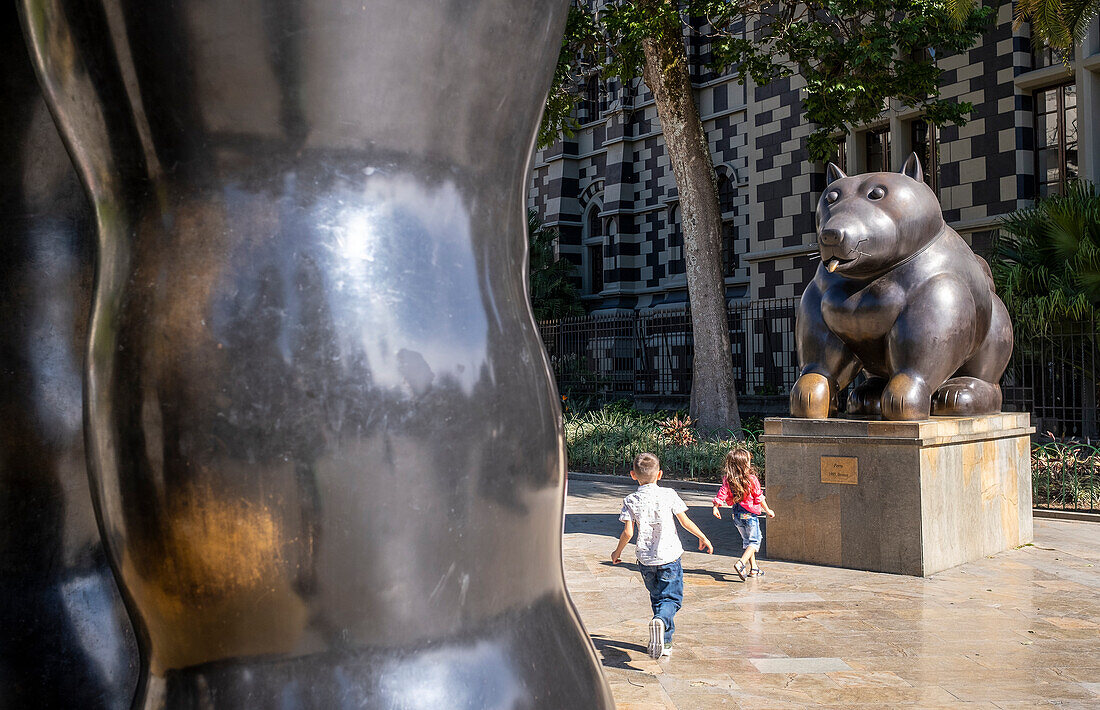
{"x": 713, "y": 397}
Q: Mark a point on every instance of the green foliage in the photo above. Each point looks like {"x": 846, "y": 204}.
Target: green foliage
{"x": 853, "y": 54}
{"x": 1046, "y": 261}
{"x": 553, "y": 295}
{"x": 1065, "y": 475}
{"x": 578, "y": 46}
{"x": 606, "y": 440}
{"x": 1059, "y": 24}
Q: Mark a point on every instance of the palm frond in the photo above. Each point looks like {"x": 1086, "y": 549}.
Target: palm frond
{"x": 959, "y": 10}
{"x": 1077, "y": 15}
{"x": 1046, "y": 259}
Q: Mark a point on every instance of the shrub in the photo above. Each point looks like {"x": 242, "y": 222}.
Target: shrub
{"x": 1046, "y": 260}
{"x": 1065, "y": 475}
{"x": 606, "y": 440}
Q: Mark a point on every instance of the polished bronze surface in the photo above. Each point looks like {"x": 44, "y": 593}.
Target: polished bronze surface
{"x": 901, "y": 297}
{"x": 65, "y": 639}
{"x": 326, "y": 444}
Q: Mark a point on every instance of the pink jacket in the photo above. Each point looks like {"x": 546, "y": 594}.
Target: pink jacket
{"x": 752, "y": 502}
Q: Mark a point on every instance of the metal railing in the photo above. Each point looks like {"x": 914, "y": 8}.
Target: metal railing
{"x": 648, "y": 357}
{"x": 1055, "y": 375}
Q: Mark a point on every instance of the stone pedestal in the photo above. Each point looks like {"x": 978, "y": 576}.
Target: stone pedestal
{"x": 902, "y": 497}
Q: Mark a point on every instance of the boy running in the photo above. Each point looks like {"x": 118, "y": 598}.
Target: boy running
{"x": 651, "y": 509}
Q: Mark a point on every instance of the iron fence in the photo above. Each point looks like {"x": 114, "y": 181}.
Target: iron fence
{"x": 647, "y": 357}
{"x": 1055, "y": 375}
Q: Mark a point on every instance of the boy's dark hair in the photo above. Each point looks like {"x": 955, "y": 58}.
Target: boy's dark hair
{"x": 646, "y": 467}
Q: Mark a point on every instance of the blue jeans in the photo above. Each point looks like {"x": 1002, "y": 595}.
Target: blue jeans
{"x": 749, "y": 527}
{"x": 666, "y": 592}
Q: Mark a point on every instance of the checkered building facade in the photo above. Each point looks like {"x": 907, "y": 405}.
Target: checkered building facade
{"x": 610, "y": 192}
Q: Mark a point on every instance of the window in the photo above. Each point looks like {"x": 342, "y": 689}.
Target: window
{"x": 1055, "y": 138}
{"x": 730, "y": 259}
{"x": 595, "y": 225}
{"x": 595, "y": 268}
{"x": 726, "y": 193}
{"x": 594, "y": 250}
{"x": 878, "y": 150}
{"x": 1041, "y": 54}
{"x": 675, "y": 243}
{"x": 590, "y": 103}
{"x": 839, "y": 157}
{"x": 924, "y": 140}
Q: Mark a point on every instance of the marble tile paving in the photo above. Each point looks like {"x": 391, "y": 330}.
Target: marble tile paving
{"x": 1020, "y": 629}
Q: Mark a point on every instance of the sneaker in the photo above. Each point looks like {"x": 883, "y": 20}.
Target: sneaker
{"x": 656, "y": 637}
{"x": 667, "y": 651}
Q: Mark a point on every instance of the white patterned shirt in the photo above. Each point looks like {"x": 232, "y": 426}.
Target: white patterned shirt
{"x": 653, "y": 510}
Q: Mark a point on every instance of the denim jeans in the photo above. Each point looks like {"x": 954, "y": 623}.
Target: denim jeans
{"x": 666, "y": 592}
{"x": 749, "y": 526}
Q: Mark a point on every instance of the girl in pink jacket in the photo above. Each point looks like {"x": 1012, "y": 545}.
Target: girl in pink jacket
{"x": 741, "y": 490}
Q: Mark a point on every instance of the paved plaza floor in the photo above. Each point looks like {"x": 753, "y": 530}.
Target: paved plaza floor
{"x": 1020, "y": 629}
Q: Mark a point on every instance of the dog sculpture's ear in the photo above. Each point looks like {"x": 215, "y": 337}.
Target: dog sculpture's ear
{"x": 833, "y": 173}
{"x": 912, "y": 168}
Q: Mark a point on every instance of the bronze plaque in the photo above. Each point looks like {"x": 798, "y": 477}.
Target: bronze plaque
{"x": 840, "y": 469}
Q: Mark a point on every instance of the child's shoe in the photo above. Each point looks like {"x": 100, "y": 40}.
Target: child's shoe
{"x": 667, "y": 651}
{"x": 656, "y": 637}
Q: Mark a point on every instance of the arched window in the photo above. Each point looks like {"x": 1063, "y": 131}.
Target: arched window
{"x": 593, "y": 250}
{"x": 595, "y": 224}
{"x": 726, "y": 192}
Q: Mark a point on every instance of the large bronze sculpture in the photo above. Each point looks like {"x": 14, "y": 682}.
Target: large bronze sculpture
{"x": 324, "y": 438}
{"x": 900, "y": 296}
{"x": 65, "y": 639}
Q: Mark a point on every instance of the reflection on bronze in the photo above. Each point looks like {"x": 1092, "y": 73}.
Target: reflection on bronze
{"x": 326, "y": 445}
{"x": 901, "y": 297}
{"x": 65, "y": 639}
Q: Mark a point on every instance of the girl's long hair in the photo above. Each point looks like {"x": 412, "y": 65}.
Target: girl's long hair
{"x": 738, "y": 472}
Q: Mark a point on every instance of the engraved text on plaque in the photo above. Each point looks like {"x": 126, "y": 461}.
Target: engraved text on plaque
{"x": 839, "y": 469}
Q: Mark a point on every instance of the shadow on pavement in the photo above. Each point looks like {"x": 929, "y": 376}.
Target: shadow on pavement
{"x": 715, "y": 575}
{"x": 615, "y": 653}
{"x": 722, "y": 534}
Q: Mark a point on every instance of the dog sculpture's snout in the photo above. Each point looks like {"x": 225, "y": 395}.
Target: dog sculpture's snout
{"x": 830, "y": 237}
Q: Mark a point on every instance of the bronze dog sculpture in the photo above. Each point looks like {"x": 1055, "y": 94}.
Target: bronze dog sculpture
{"x": 902, "y": 297}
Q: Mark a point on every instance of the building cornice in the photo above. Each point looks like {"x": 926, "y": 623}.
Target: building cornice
{"x": 973, "y": 225}
{"x": 773, "y": 254}
{"x": 1092, "y": 63}
{"x": 1037, "y": 78}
